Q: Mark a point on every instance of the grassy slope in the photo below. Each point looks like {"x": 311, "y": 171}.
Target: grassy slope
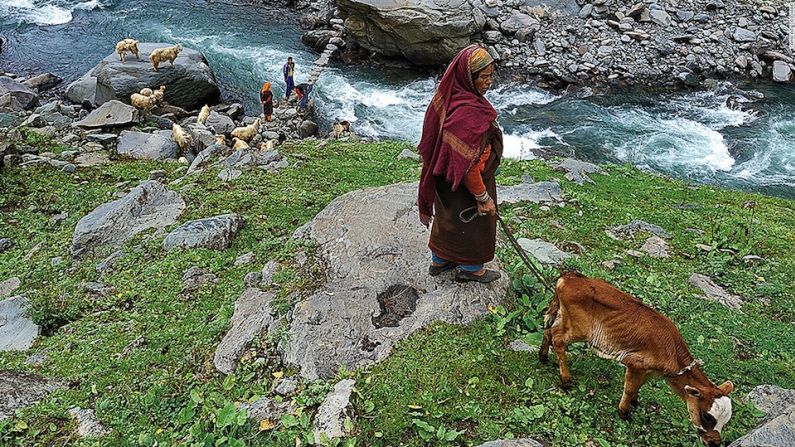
{"x": 463, "y": 378}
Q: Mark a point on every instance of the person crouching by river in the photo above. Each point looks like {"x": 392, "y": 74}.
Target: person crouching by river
{"x": 461, "y": 148}
{"x": 302, "y": 90}
{"x": 266, "y": 99}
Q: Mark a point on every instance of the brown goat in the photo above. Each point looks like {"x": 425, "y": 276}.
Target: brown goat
{"x": 620, "y": 327}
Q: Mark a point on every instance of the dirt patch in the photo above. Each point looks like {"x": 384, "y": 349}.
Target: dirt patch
{"x": 396, "y": 303}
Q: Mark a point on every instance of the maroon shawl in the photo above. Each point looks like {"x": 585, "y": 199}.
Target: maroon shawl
{"x": 454, "y": 131}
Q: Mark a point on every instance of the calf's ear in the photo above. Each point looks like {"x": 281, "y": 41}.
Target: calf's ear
{"x": 726, "y": 387}
{"x": 692, "y": 391}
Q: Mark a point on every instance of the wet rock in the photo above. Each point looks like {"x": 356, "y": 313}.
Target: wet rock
{"x": 215, "y": 233}
{"x": 526, "y": 442}
{"x": 190, "y": 83}
{"x": 781, "y": 71}
{"x": 540, "y": 192}
{"x": 195, "y": 278}
{"x": 330, "y": 417}
{"x": 149, "y": 205}
{"x": 408, "y": 154}
{"x": 110, "y": 114}
{"x": 266, "y": 409}
{"x": 656, "y": 247}
{"x": 42, "y": 82}
{"x": 629, "y": 230}
{"x": 252, "y": 316}
{"x": 577, "y": 171}
{"x": 543, "y": 251}
{"x": 17, "y": 329}
{"x": 373, "y": 242}
{"x": 15, "y": 96}
{"x": 147, "y": 146}
{"x": 714, "y": 292}
{"x": 19, "y": 390}
{"x": 8, "y": 286}
{"x": 88, "y": 425}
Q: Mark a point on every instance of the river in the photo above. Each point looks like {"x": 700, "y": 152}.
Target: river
{"x": 686, "y": 135}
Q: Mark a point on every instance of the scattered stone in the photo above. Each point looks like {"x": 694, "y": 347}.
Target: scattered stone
{"x": 252, "y": 279}
{"x": 266, "y": 409}
{"x": 611, "y": 264}
{"x": 781, "y": 71}
{"x": 753, "y": 259}
{"x": 96, "y": 290}
{"x": 660, "y": 17}
{"x": 229, "y": 174}
{"x": 8, "y": 286}
{"x": 714, "y": 292}
{"x": 743, "y": 35}
{"x": 149, "y": 205}
{"x": 267, "y": 274}
{"x": 88, "y": 425}
{"x": 110, "y": 114}
{"x": 252, "y": 316}
{"x": 220, "y": 123}
{"x": 215, "y": 233}
{"x": 139, "y": 342}
{"x": 106, "y": 264}
{"x": 147, "y": 146}
{"x": 543, "y": 251}
{"x": 56, "y": 261}
{"x": 525, "y": 442}
{"x": 15, "y": 96}
{"x": 576, "y": 170}
{"x": 376, "y": 251}
{"x": 521, "y": 346}
{"x": 541, "y": 192}
{"x": 307, "y": 129}
{"x": 195, "y": 278}
{"x": 36, "y": 360}
{"x": 19, "y": 390}
{"x": 42, "y": 82}
{"x": 17, "y": 331}
{"x": 656, "y": 247}
{"x": 704, "y": 247}
{"x": 158, "y": 175}
{"x": 330, "y": 417}
{"x": 629, "y": 230}
{"x": 286, "y": 387}
{"x": 408, "y": 154}
{"x": 247, "y": 258}
{"x": 6, "y": 244}
{"x": 634, "y": 253}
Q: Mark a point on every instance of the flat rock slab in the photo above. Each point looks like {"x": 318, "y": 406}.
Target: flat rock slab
{"x": 8, "y": 286}
{"x": 378, "y": 290}
{"x": 714, "y": 292}
{"x": 195, "y": 278}
{"x": 16, "y": 96}
{"x": 147, "y": 146}
{"x": 148, "y": 205}
{"x": 20, "y": 390}
{"x": 656, "y": 247}
{"x": 577, "y": 171}
{"x": 266, "y": 409}
{"x": 629, "y": 230}
{"x": 215, "y": 233}
{"x": 542, "y": 250}
{"x": 252, "y": 316}
{"x": 540, "y": 192}
{"x": 17, "y": 330}
{"x": 526, "y": 442}
{"x": 772, "y": 399}
{"x": 330, "y": 417}
{"x": 110, "y": 114}
{"x": 88, "y": 426}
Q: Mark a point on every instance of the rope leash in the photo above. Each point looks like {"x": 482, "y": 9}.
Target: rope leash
{"x": 518, "y": 248}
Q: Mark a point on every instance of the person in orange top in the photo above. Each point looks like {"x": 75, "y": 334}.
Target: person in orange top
{"x": 266, "y": 99}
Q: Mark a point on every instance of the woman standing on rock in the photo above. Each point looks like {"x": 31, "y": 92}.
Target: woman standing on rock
{"x": 266, "y": 99}
{"x": 461, "y": 148}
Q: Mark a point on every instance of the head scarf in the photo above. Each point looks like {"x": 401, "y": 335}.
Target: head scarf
{"x": 266, "y": 86}
{"x": 455, "y": 127}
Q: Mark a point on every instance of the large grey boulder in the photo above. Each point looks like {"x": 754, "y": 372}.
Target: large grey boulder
{"x": 15, "y": 96}
{"x": 220, "y": 123}
{"x": 714, "y": 292}
{"x": 17, "y": 330}
{"x": 20, "y": 390}
{"x": 149, "y": 205}
{"x": 110, "y": 114}
{"x": 772, "y": 399}
{"x": 147, "y": 146}
{"x": 252, "y": 315}
{"x": 425, "y": 32}
{"x": 190, "y": 83}
{"x": 519, "y": 21}
{"x": 778, "y": 427}
{"x": 215, "y": 233}
{"x": 378, "y": 290}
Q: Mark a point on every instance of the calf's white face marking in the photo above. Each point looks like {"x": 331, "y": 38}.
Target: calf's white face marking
{"x": 722, "y": 411}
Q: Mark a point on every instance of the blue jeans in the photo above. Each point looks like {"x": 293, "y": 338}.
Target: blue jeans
{"x": 290, "y": 85}
{"x": 305, "y": 98}
{"x": 466, "y": 268}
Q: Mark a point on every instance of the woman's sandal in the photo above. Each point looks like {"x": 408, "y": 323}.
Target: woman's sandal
{"x": 436, "y": 270}
{"x": 487, "y": 277}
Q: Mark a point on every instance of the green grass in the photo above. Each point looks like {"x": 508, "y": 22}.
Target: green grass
{"x": 460, "y": 378}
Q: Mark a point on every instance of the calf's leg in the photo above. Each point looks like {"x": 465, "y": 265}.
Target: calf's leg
{"x": 543, "y": 352}
{"x": 633, "y": 380}
{"x": 559, "y": 344}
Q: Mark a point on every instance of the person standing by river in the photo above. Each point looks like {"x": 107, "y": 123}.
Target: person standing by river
{"x": 289, "y": 76}
{"x": 461, "y": 144}
{"x": 266, "y": 99}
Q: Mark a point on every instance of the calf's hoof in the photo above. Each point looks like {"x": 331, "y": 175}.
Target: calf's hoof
{"x": 625, "y": 415}
{"x": 566, "y": 385}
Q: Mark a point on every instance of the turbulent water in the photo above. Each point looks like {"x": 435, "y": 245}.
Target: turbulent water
{"x": 689, "y": 135}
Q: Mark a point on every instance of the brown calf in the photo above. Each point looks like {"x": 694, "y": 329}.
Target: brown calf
{"x": 620, "y": 327}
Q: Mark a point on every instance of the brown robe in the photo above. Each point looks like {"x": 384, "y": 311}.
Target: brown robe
{"x": 466, "y": 243}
